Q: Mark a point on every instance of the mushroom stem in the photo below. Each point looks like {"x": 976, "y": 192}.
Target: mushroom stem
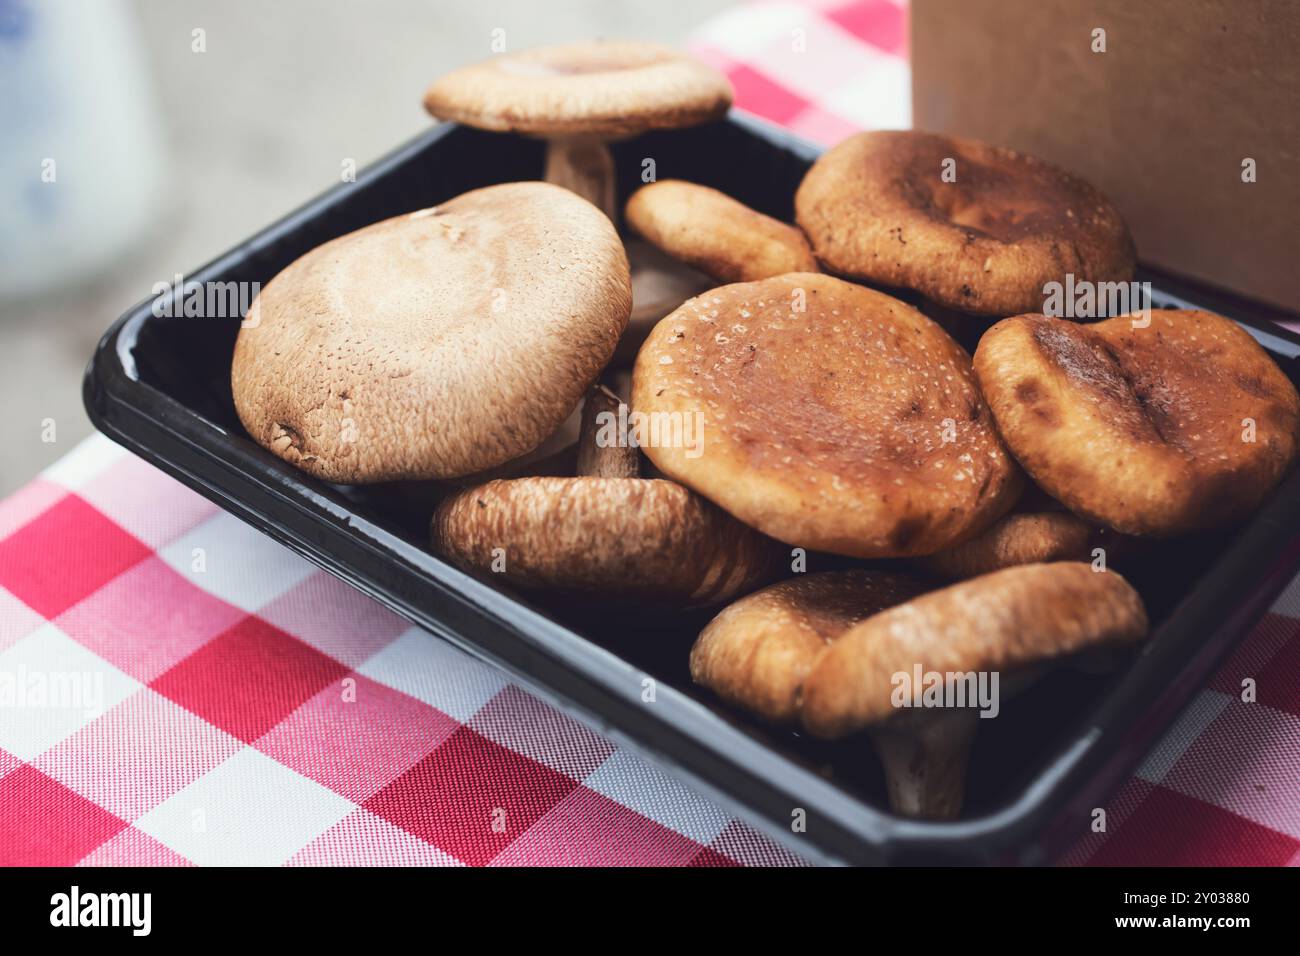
{"x": 604, "y": 459}
{"x": 925, "y": 762}
{"x": 583, "y": 165}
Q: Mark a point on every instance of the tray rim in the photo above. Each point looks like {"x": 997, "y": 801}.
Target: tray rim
{"x": 736, "y": 769}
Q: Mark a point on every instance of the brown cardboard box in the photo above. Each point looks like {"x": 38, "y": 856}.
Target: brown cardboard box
{"x": 1162, "y": 120}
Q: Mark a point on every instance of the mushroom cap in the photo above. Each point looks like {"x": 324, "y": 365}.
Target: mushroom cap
{"x": 599, "y": 88}
{"x": 438, "y": 343}
{"x": 875, "y": 207}
{"x": 1142, "y": 429}
{"x": 1001, "y": 621}
{"x": 1018, "y": 538}
{"x": 716, "y": 234}
{"x": 757, "y": 651}
{"x": 826, "y": 428}
{"x": 644, "y": 539}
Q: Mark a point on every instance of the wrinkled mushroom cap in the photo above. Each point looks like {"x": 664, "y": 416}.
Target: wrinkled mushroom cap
{"x": 999, "y": 622}
{"x": 1143, "y": 429}
{"x": 605, "y": 88}
{"x": 757, "y": 651}
{"x": 876, "y": 207}
{"x": 826, "y": 428}
{"x": 716, "y": 234}
{"x": 643, "y": 539}
{"x": 437, "y": 343}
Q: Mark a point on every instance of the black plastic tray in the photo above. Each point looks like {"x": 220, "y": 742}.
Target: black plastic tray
{"x": 161, "y": 387}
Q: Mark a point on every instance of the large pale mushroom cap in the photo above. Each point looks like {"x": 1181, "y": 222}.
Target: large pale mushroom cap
{"x": 834, "y": 417}
{"x": 1178, "y": 425}
{"x": 438, "y": 343}
{"x": 878, "y": 207}
{"x": 605, "y": 88}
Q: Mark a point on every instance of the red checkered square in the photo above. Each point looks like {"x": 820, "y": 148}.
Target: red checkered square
{"x": 249, "y": 678}
{"x": 1169, "y": 829}
{"x": 471, "y": 797}
{"x": 67, "y": 552}
{"x": 756, "y": 93}
{"x": 46, "y": 824}
{"x": 589, "y": 829}
{"x": 357, "y": 736}
{"x": 148, "y": 620}
{"x": 882, "y": 23}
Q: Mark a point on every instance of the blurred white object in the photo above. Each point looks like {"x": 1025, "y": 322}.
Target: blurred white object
{"x": 81, "y": 155}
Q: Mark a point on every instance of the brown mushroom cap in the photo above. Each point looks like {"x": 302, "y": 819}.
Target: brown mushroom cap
{"x": 644, "y": 539}
{"x": 826, "y": 428}
{"x": 605, "y": 88}
{"x": 876, "y": 207}
{"x": 757, "y": 651}
{"x": 1143, "y": 429}
{"x": 1001, "y": 621}
{"x": 1020, "y": 538}
{"x": 716, "y": 234}
{"x": 437, "y": 343}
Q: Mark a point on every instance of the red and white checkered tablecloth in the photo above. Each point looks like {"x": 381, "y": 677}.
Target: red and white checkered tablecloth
{"x": 182, "y": 689}
{"x": 177, "y": 688}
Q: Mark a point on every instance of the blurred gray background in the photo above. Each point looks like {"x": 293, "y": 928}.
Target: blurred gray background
{"x": 258, "y": 123}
